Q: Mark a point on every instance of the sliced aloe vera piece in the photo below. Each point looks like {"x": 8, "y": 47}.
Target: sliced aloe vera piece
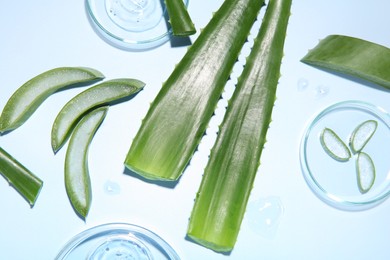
{"x": 362, "y": 134}
{"x": 365, "y": 172}
{"x": 353, "y": 56}
{"x": 77, "y": 180}
{"x": 27, "y": 98}
{"x": 179, "y": 18}
{"x": 179, "y": 115}
{"x": 99, "y": 95}
{"x": 21, "y": 178}
{"x": 334, "y": 146}
{"x": 229, "y": 175}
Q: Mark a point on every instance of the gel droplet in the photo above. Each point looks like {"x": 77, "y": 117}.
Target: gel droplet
{"x": 302, "y": 84}
{"x": 126, "y": 248}
{"x": 321, "y": 91}
{"x": 112, "y": 188}
{"x": 264, "y": 216}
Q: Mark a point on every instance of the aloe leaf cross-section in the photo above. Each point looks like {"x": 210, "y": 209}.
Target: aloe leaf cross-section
{"x": 234, "y": 160}
{"x": 179, "y": 115}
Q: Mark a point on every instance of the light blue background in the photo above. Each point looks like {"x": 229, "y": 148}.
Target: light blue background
{"x": 40, "y": 35}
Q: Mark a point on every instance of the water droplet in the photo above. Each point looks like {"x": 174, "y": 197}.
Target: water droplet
{"x": 321, "y": 91}
{"x": 264, "y": 216}
{"x": 302, "y": 84}
{"x": 112, "y": 188}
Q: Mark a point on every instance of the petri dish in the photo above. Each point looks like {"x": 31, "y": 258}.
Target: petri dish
{"x": 117, "y": 241}
{"x": 335, "y": 182}
{"x": 134, "y": 25}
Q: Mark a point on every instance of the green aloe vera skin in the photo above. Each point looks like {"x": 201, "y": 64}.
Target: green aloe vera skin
{"x": 353, "y": 56}
{"x": 21, "y": 178}
{"x": 179, "y": 18}
{"x": 179, "y": 115}
{"x": 234, "y": 160}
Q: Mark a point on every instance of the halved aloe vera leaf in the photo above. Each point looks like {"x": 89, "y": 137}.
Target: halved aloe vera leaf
{"x": 77, "y": 180}
{"x": 179, "y": 115}
{"x": 99, "y": 95}
{"x": 365, "y": 172}
{"x": 179, "y": 18}
{"x": 334, "y": 146}
{"x": 27, "y": 98}
{"x": 229, "y": 175}
{"x": 21, "y": 178}
{"x": 362, "y": 134}
{"x": 353, "y": 56}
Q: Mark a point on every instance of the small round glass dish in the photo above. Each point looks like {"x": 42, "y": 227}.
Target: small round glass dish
{"x": 336, "y": 182}
{"x": 117, "y": 241}
{"x": 133, "y": 25}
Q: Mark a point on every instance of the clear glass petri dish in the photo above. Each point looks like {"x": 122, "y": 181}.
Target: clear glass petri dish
{"x": 117, "y": 241}
{"x": 335, "y": 182}
{"x": 133, "y": 25}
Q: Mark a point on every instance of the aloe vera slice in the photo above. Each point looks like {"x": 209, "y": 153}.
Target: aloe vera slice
{"x": 179, "y": 18}
{"x": 99, "y": 95}
{"x": 353, "y": 56}
{"x": 21, "y": 178}
{"x": 334, "y": 146}
{"x": 27, "y": 98}
{"x": 365, "y": 172}
{"x": 229, "y": 175}
{"x": 77, "y": 180}
{"x": 362, "y": 134}
{"x": 179, "y": 115}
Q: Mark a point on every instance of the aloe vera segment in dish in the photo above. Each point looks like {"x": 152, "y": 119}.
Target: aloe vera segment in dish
{"x": 365, "y": 169}
{"x": 362, "y": 134}
{"x": 21, "y": 178}
{"x": 334, "y": 146}
{"x": 179, "y": 115}
{"x": 99, "y": 95}
{"x": 27, "y": 98}
{"x": 229, "y": 175}
{"x": 353, "y": 56}
{"x": 179, "y": 18}
{"x": 77, "y": 180}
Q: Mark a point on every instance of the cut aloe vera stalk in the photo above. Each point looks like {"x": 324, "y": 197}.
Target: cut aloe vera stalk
{"x": 365, "y": 172}
{"x": 26, "y": 99}
{"x": 21, "y": 178}
{"x": 100, "y": 95}
{"x": 352, "y": 56}
{"x": 234, "y": 160}
{"x": 334, "y": 146}
{"x": 179, "y": 18}
{"x": 179, "y": 115}
{"x": 362, "y": 134}
{"x": 77, "y": 180}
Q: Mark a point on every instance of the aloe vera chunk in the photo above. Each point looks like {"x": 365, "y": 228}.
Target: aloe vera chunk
{"x": 362, "y": 134}
{"x": 21, "y": 178}
{"x": 179, "y": 18}
{"x": 334, "y": 146}
{"x": 353, "y": 56}
{"x": 77, "y": 180}
{"x": 229, "y": 175}
{"x": 179, "y": 115}
{"x": 365, "y": 169}
{"x": 27, "y": 98}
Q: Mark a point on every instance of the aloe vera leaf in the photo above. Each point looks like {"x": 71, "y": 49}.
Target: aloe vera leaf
{"x": 353, "y": 56}
{"x": 77, "y": 180}
{"x": 179, "y": 18}
{"x": 334, "y": 146}
{"x": 179, "y": 115}
{"x": 362, "y": 134}
{"x": 365, "y": 169}
{"x": 234, "y": 160}
{"x": 99, "y": 95}
{"x": 27, "y": 98}
{"x": 21, "y": 178}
